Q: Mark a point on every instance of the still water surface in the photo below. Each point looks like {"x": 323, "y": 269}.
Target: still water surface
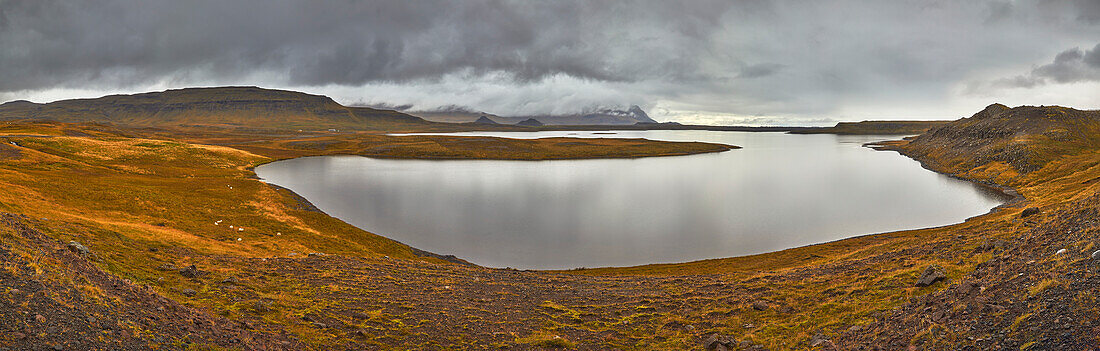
{"x": 780, "y": 191}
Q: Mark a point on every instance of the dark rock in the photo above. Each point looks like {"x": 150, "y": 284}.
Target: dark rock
{"x": 991, "y": 245}
{"x": 711, "y": 342}
{"x": 190, "y": 271}
{"x": 78, "y": 248}
{"x": 39, "y": 318}
{"x": 230, "y": 280}
{"x": 759, "y": 305}
{"x": 719, "y": 342}
{"x": 188, "y": 292}
{"x": 930, "y": 276}
{"x": 315, "y": 254}
{"x": 1030, "y": 211}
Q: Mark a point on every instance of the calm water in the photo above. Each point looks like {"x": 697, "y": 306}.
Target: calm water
{"x": 779, "y": 191}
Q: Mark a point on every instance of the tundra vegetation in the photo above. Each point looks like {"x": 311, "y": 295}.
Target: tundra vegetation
{"x": 178, "y": 245}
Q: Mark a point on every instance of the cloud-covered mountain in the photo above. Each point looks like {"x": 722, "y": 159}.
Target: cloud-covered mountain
{"x": 602, "y": 116}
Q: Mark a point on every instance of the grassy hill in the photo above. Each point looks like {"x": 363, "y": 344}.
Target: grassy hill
{"x": 238, "y": 107}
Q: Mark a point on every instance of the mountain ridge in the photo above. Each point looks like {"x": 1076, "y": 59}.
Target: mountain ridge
{"x": 602, "y": 116}
{"x": 236, "y": 106}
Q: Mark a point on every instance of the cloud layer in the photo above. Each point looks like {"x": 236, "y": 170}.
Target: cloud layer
{"x": 714, "y": 61}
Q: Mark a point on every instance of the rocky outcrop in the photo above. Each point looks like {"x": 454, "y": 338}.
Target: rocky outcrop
{"x": 930, "y": 276}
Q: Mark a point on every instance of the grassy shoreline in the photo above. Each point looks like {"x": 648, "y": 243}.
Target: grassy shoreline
{"x": 140, "y": 204}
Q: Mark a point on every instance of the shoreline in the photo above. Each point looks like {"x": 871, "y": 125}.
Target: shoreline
{"x": 1012, "y": 196}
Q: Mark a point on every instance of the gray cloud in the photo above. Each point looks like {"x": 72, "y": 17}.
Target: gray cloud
{"x": 760, "y": 70}
{"x": 1069, "y": 66}
{"x": 778, "y": 58}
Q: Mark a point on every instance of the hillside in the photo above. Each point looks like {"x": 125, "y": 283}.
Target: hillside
{"x": 1021, "y": 277}
{"x": 1025, "y": 138}
{"x": 238, "y": 107}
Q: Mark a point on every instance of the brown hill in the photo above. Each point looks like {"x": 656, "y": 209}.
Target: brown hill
{"x": 1025, "y": 137}
{"x": 250, "y": 107}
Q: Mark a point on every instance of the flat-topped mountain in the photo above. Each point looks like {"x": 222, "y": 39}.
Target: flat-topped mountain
{"x": 222, "y": 106}
{"x": 875, "y": 127}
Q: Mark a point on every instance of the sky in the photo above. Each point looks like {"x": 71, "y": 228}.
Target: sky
{"x": 753, "y": 62}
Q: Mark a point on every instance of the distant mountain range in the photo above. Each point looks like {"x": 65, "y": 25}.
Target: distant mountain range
{"x": 249, "y": 107}
{"x": 254, "y": 107}
{"x": 606, "y": 116}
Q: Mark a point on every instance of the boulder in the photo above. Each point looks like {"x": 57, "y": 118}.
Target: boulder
{"x": 189, "y": 292}
{"x": 719, "y": 342}
{"x": 190, "y": 271}
{"x": 819, "y": 340}
{"x": 930, "y": 276}
{"x": 1028, "y": 212}
{"x": 78, "y": 248}
{"x": 991, "y": 245}
{"x": 759, "y": 305}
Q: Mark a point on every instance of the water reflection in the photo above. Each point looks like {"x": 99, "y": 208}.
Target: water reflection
{"x": 780, "y": 191}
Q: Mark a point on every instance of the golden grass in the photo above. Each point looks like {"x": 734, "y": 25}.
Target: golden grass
{"x": 123, "y": 196}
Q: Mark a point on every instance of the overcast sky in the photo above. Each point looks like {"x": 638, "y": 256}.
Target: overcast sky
{"x": 713, "y": 62}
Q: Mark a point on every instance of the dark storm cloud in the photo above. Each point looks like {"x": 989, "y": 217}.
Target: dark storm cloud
{"x": 702, "y": 58}
{"x": 345, "y": 42}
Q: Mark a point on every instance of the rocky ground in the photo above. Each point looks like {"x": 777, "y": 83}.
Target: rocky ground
{"x": 1038, "y": 291}
{"x": 53, "y": 298}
